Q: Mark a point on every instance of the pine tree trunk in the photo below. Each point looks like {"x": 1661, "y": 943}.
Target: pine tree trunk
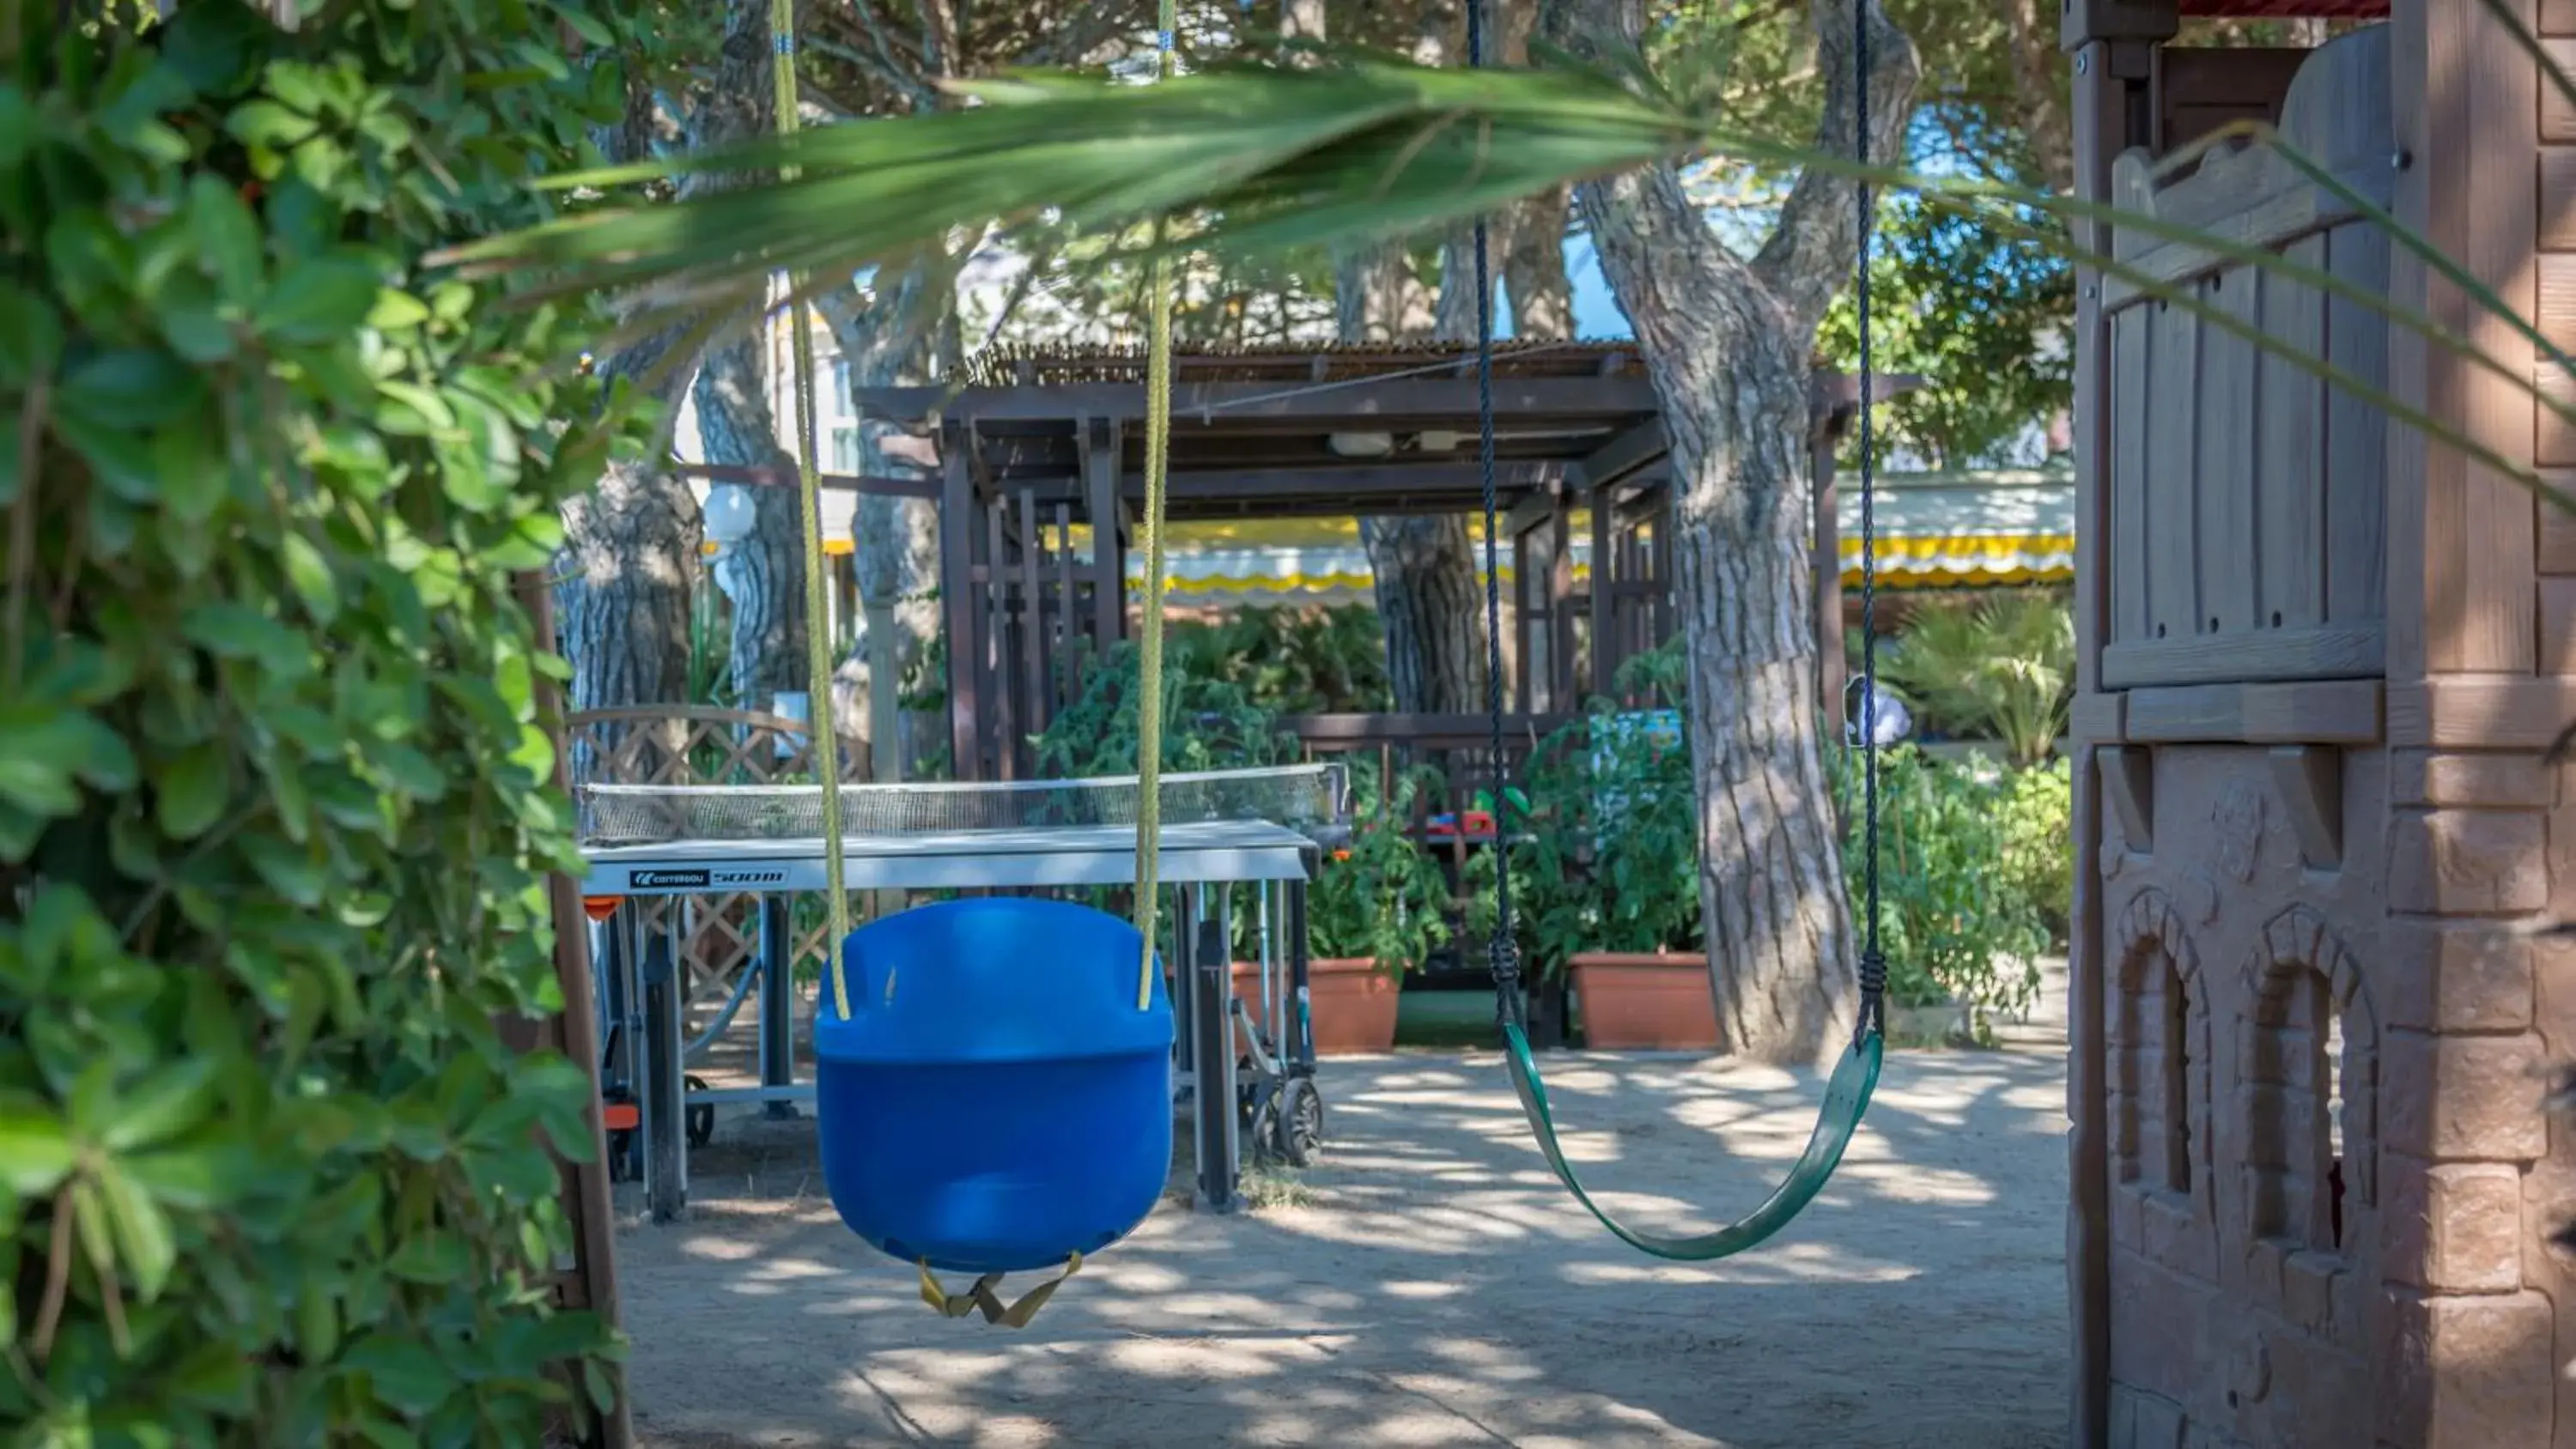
{"x": 1728, "y": 344}
{"x": 1534, "y": 278}
{"x": 895, "y": 541}
{"x": 630, "y": 546}
{"x": 763, "y": 573}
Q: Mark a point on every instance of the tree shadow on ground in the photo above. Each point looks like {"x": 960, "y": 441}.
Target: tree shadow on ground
{"x": 1432, "y": 1284}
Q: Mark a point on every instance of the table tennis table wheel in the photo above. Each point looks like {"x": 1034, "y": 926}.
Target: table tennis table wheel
{"x": 699, "y": 1121}
{"x": 1299, "y": 1121}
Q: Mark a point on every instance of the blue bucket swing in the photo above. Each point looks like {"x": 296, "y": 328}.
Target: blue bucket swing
{"x": 993, "y": 1086}
{"x": 993, "y": 1101}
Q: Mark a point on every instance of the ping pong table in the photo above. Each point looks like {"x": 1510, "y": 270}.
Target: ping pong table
{"x": 1198, "y": 859}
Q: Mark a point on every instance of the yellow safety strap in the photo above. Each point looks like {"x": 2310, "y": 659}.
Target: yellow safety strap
{"x": 818, "y": 639}
{"x": 1149, "y": 639}
{"x": 981, "y": 1296}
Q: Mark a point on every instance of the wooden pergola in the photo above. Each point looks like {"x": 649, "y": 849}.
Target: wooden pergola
{"x": 1040, "y": 457}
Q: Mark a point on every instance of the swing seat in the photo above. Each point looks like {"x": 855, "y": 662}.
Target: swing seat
{"x": 994, "y": 1102}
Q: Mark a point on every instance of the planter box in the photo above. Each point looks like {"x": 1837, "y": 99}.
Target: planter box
{"x": 1637, "y": 1002}
{"x": 1352, "y": 1001}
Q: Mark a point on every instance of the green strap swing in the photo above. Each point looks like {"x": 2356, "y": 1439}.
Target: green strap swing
{"x": 1855, "y": 1076}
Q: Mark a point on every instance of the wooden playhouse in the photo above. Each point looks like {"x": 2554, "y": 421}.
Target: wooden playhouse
{"x": 2313, "y": 1187}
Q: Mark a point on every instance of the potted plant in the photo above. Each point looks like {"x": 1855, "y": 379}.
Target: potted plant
{"x": 1376, "y": 908}
{"x": 1605, "y": 875}
{"x": 1960, "y": 932}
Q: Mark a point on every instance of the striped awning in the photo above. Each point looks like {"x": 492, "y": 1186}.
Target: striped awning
{"x": 1933, "y": 530}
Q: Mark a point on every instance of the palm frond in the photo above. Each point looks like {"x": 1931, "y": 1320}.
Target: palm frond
{"x": 1259, "y": 158}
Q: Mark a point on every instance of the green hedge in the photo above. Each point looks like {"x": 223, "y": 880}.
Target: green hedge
{"x": 275, "y": 810}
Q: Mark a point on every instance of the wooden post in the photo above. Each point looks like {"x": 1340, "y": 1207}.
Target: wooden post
{"x": 2112, "y": 44}
{"x": 592, "y": 1281}
{"x": 1108, "y": 544}
{"x": 958, "y": 599}
{"x": 1830, "y": 664}
{"x": 1561, "y": 682}
{"x": 1605, "y": 573}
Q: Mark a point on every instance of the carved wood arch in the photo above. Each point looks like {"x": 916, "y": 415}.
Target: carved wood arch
{"x": 2150, "y": 934}
{"x": 2293, "y": 1172}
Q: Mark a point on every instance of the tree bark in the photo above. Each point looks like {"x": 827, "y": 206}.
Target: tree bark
{"x": 622, "y": 603}
{"x": 2039, "y": 83}
{"x": 630, "y": 545}
{"x": 763, "y": 573}
{"x": 1728, "y": 343}
{"x": 891, "y": 340}
{"x": 1534, "y": 277}
{"x": 1429, "y": 597}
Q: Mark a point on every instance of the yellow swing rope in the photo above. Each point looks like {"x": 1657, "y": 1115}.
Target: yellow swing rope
{"x": 818, "y": 634}
{"x": 1149, "y": 642}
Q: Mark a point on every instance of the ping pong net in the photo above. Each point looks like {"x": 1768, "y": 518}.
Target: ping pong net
{"x": 1308, "y": 798}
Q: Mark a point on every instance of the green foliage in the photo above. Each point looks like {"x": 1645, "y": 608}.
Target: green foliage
{"x": 1999, "y": 668}
{"x": 1292, "y": 661}
{"x": 276, "y": 810}
{"x": 2037, "y": 813}
{"x": 1605, "y": 848}
{"x": 1208, "y": 723}
{"x": 1956, "y": 924}
{"x": 1381, "y": 896}
{"x": 1980, "y": 314}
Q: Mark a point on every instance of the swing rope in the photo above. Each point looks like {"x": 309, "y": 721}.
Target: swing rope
{"x": 818, "y": 643}
{"x": 1149, "y": 636}
{"x": 1855, "y": 1076}
{"x": 809, "y": 503}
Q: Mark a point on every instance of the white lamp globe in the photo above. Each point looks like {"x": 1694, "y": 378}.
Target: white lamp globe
{"x": 729, "y": 514}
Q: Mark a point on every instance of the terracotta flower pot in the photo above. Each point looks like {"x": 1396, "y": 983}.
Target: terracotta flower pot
{"x": 1352, "y": 1001}
{"x": 1633, "y": 1002}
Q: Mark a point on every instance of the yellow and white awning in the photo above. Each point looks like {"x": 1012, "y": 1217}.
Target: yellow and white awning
{"x": 1933, "y": 530}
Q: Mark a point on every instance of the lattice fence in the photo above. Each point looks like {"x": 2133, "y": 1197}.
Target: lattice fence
{"x": 692, "y": 745}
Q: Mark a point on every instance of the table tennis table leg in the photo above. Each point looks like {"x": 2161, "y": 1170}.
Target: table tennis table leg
{"x": 663, "y": 1089}
{"x": 1297, "y": 1041}
{"x": 777, "y": 1004}
{"x": 1211, "y": 1029}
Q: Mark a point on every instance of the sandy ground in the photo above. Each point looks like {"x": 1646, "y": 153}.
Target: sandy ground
{"x": 1431, "y": 1285}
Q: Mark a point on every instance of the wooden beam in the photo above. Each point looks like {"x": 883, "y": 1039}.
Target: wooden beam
{"x": 1361, "y": 404}
{"x": 588, "y": 1196}
{"x": 1530, "y": 512}
{"x": 1604, "y": 573}
{"x": 1464, "y": 479}
{"x": 1625, "y": 454}
{"x": 875, "y": 485}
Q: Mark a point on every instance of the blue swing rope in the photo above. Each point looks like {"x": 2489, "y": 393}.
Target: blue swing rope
{"x": 1855, "y": 1077}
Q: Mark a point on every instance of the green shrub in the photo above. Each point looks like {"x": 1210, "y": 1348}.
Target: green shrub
{"x": 1954, "y": 926}
{"x": 2037, "y": 814}
{"x": 1999, "y": 667}
{"x": 1380, "y": 896}
{"x": 1328, "y": 660}
{"x": 1607, "y": 850}
{"x": 1209, "y": 723}
{"x": 276, "y": 812}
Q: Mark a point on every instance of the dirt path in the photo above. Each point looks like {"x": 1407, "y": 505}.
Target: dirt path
{"x": 1431, "y": 1286}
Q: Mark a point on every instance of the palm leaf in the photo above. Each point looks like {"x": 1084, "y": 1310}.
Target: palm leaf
{"x": 1252, "y": 158}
